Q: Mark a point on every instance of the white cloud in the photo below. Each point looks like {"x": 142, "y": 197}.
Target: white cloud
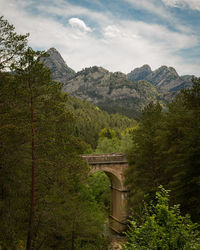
{"x": 193, "y": 4}
{"x": 137, "y": 43}
{"x": 119, "y": 46}
{"x": 65, "y": 9}
{"x": 156, "y": 8}
{"x": 79, "y": 24}
{"x": 111, "y": 31}
{"x": 150, "y": 5}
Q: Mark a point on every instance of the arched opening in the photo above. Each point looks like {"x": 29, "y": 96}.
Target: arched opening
{"x": 107, "y": 182}
{"x": 99, "y": 184}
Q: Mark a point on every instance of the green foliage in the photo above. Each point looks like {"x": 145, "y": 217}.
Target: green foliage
{"x": 38, "y": 132}
{"x": 125, "y": 143}
{"x": 162, "y": 227}
{"x": 88, "y": 128}
{"x": 107, "y": 133}
{"x": 181, "y": 143}
{"x": 165, "y": 151}
{"x": 12, "y": 45}
{"x": 145, "y": 172}
{"x": 106, "y": 145}
{"x": 99, "y": 186}
{"x": 109, "y": 142}
{"x": 76, "y": 219}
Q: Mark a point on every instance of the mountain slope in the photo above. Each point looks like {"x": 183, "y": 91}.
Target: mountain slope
{"x": 59, "y": 69}
{"x": 165, "y": 78}
{"x": 113, "y": 92}
{"x": 139, "y": 73}
{"x": 91, "y": 119}
{"x": 118, "y": 92}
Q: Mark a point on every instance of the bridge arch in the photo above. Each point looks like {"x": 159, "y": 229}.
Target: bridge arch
{"x": 112, "y": 175}
{"x": 114, "y": 165}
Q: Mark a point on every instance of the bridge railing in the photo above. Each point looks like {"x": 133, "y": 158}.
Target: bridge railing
{"x": 98, "y": 158}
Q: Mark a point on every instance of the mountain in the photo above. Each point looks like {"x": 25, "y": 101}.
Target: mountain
{"x": 118, "y": 92}
{"x": 164, "y": 78}
{"x": 113, "y": 92}
{"x": 59, "y": 69}
{"x": 139, "y": 73}
{"x": 187, "y": 83}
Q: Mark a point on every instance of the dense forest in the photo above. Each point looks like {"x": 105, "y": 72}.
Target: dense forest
{"x": 47, "y": 200}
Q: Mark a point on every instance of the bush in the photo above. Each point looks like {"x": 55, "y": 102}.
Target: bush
{"x": 163, "y": 227}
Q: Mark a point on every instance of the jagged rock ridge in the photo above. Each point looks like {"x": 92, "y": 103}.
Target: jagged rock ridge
{"x": 59, "y": 69}
{"x": 118, "y": 92}
{"x": 164, "y": 78}
{"x": 113, "y": 92}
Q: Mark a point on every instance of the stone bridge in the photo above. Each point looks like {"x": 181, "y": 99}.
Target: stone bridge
{"x": 114, "y": 165}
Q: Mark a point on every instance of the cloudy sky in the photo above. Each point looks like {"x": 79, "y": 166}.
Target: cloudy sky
{"x": 118, "y": 35}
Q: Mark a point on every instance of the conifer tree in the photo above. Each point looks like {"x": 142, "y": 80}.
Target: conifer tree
{"x": 12, "y": 45}
{"x": 181, "y": 143}
{"x": 44, "y": 160}
{"x": 145, "y": 172}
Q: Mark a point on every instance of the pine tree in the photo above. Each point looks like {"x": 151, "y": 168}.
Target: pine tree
{"x": 44, "y": 160}
{"x": 181, "y": 143}
{"x": 145, "y": 169}
{"x": 12, "y": 46}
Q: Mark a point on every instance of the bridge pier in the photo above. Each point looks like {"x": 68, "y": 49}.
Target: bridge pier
{"x": 119, "y": 210}
{"x": 114, "y": 165}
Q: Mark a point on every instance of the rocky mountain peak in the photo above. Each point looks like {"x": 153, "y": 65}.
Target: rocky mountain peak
{"x": 119, "y": 74}
{"x": 146, "y": 67}
{"x": 139, "y": 73}
{"x": 117, "y": 92}
{"x": 173, "y": 71}
{"x": 53, "y": 50}
{"x": 164, "y": 70}
{"x": 165, "y": 78}
{"x": 59, "y": 69}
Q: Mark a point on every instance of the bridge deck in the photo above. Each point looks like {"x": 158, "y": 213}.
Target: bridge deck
{"x": 105, "y": 158}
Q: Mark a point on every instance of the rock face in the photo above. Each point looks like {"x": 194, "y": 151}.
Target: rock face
{"x": 165, "y": 78}
{"x": 113, "y": 92}
{"x": 59, "y": 69}
{"x": 118, "y": 92}
{"x": 139, "y": 73}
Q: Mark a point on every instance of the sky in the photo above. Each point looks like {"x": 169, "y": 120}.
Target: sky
{"x": 119, "y": 35}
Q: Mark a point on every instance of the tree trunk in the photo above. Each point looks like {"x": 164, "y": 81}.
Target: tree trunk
{"x": 72, "y": 240}
{"x": 31, "y": 216}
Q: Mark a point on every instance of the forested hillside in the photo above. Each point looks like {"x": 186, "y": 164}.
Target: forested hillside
{"x": 90, "y": 120}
